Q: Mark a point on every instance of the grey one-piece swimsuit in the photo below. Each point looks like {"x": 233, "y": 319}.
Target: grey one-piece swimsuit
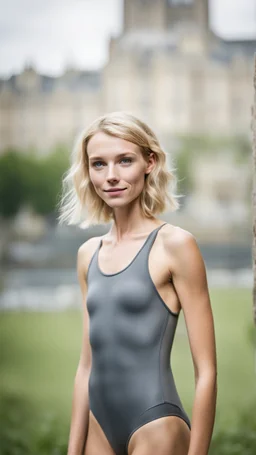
{"x": 131, "y": 336}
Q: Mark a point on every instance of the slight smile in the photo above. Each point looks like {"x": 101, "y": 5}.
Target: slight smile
{"x": 115, "y": 191}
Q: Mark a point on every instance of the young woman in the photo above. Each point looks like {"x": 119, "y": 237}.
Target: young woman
{"x": 134, "y": 282}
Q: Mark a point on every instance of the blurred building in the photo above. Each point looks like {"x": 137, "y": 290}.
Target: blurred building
{"x": 167, "y": 67}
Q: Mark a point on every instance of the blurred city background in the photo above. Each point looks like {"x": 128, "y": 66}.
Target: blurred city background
{"x": 186, "y": 68}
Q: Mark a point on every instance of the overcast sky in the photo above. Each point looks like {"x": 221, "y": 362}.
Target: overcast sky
{"x": 51, "y": 34}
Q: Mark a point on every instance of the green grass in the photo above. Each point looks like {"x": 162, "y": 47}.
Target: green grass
{"x": 39, "y": 355}
{"x": 232, "y": 311}
{"x": 40, "y": 352}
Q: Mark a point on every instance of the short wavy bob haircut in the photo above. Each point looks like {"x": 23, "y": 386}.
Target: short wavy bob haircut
{"x": 79, "y": 202}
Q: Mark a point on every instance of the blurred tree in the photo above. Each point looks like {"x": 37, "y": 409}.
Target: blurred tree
{"x": 44, "y": 181}
{"x": 26, "y": 178}
{"x": 12, "y": 185}
{"x": 254, "y": 191}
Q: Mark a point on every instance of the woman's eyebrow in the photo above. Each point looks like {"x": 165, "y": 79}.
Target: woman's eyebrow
{"x": 98, "y": 157}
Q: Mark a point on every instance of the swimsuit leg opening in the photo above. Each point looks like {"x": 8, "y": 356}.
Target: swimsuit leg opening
{"x": 156, "y": 412}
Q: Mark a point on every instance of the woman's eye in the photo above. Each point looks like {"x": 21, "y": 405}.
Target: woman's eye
{"x": 127, "y": 160}
{"x": 99, "y": 164}
{"x": 95, "y": 164}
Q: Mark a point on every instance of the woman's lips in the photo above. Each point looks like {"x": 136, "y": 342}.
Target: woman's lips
{"x": 115, "y": 191}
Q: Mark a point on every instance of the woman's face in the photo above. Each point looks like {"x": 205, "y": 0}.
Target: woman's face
{"x": 117, "y": 169}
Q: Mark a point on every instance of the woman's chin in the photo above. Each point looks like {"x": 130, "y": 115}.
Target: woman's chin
{"x": 116, "y": 204}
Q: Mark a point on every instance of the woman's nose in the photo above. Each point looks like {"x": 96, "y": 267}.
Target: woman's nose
{"x": 112, "y": 174}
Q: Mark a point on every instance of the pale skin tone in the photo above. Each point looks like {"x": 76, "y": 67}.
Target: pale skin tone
{"x": 181, "y": 261}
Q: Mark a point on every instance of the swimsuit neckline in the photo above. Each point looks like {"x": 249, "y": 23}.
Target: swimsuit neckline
{"x": 132, "y": 261}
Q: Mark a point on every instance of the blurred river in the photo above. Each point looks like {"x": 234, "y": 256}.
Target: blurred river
{"x": 42, "y": 276}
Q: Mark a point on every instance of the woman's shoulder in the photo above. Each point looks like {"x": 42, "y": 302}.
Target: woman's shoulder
{"x": 177, "y": 239}
{"x": 182, "y": 250}
{"x": 87, "y": 250}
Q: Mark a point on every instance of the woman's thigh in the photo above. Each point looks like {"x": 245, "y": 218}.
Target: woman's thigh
{"x": 167, "y": 435}
{"x": 96, "y": 442}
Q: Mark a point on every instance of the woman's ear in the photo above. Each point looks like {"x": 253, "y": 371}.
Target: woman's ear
{"x": 151, "y": 163}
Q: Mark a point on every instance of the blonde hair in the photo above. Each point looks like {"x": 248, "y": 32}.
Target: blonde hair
{"x": 80, "y": 204}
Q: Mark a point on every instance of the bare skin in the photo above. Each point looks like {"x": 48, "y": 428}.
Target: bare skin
{"x": 180, "y": 280}
{"x": 170, "y": 434}
{"x": 164, "y": 436}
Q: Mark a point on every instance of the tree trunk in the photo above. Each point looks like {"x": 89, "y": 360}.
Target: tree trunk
{"x": 254, "y": 193}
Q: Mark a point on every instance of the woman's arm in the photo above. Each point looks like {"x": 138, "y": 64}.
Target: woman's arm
{"x": 80, "y": 403}
{"x": 190, "y": 282}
